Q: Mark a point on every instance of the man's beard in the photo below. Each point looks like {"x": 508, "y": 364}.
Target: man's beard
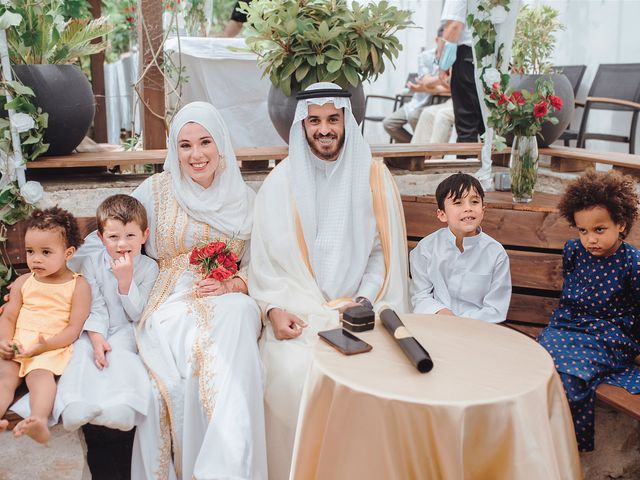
{"x": 328, "y": 156}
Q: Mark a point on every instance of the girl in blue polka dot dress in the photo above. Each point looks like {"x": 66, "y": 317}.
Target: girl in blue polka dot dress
{"x": 594, "y": 334}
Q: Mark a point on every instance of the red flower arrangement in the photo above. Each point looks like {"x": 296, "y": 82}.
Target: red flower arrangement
{"x": 520, "y": 112}
{"x": 215, "y": 259}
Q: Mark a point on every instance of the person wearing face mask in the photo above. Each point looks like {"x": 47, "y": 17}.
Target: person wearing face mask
{"x": 328, "y": 234}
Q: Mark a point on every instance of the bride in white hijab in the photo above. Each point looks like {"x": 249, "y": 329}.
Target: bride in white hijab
{"x": 198, "y": 339}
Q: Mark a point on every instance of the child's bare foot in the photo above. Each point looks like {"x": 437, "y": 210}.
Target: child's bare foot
{"x": 3, "y": 425}
{"x": 34, "y": 427}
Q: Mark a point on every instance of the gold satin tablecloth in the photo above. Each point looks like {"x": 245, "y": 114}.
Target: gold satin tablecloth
{"x": 492, "y": 408}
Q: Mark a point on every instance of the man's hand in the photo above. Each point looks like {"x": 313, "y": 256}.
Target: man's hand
{"x": 37, "y": 348}
{"x": 122, "y": 269}
{"x": 445, "y": 311}
{"x": 7, "y": 349}
{"x": 444, "y": 76}
{"x": 285, "y": 325}
{"x": 348, "y": 305}
{"x": 100, "y": 349}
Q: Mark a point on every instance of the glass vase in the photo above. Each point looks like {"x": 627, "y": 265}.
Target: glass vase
{"x": 523, "y": 167}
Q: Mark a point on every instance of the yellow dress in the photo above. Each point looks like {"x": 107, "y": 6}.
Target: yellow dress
{"x": 46, "y": 308}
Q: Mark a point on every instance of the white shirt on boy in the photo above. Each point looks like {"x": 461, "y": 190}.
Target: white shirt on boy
{"x": 110, "y": 310}
{"x": 474, "y": 283}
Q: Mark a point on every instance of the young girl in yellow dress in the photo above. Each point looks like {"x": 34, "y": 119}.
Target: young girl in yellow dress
{"x": 43, "y": 317}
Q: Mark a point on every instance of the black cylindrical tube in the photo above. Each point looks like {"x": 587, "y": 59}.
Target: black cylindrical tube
{"x": 410, "y": 346}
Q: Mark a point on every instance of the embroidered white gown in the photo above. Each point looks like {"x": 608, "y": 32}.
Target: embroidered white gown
{"x": 206, "y": 418}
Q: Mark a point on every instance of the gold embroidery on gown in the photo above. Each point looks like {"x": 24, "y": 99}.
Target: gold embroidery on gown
{"x": 173, "y": 259}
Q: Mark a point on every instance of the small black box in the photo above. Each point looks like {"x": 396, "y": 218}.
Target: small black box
{"x": 358, "y": 319}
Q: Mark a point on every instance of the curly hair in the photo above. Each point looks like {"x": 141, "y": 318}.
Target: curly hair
{"x": 56, "y": 218}
{"x": 610, "y": 190}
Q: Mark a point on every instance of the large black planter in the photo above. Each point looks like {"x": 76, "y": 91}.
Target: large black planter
{"x": 563, "y": 89}
{"x": 282, "y": 109}
{"x": 64, "y": 92}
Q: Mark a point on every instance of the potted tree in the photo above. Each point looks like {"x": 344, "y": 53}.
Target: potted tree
{"x": 533, "y": 45}
{"x": 300, "y": 42}
{"x": 42, "y": 48}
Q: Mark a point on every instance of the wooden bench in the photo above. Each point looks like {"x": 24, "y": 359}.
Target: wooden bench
{"x": 388, "y": 151}
{"x": 533, "y": 235}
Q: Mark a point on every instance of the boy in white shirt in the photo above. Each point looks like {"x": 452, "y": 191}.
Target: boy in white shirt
{"x": 105, "y": 382}
{"x": 460, "y": 270}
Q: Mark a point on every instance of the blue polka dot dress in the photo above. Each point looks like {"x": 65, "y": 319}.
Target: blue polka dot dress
{"x": 594, "y": 334}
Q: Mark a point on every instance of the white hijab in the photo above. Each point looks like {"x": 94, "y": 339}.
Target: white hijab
{"x": 227, "y": 204}
{"x": 340, "y": 234}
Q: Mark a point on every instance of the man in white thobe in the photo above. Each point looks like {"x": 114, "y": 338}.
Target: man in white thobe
{"x": 328, "y": 232}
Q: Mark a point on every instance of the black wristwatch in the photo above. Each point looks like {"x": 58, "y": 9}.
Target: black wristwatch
{"x": 364, "y": 301}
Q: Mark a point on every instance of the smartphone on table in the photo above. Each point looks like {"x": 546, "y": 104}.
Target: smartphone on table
{"x": 345, "y": 342}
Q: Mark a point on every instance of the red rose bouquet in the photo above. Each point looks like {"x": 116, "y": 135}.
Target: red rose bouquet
{"x": 520, "y": 112}
{"x": 215, "y": 259}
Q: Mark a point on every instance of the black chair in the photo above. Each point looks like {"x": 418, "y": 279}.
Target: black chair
{"x": 574, "y": 73}
{"x": 616, "y": 87}
{"x": 397, "y": 102}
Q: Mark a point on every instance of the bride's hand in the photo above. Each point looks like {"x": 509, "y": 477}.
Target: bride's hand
{"x": 212, "y": 287}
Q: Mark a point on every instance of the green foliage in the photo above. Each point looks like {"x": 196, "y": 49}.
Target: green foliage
{"x": 44, "y": 36}
{"x": 301, "y": 42}
{"x": 195, "y": 18}
{"x": 122, "y": 15}
{"x": 32, "y": 140}
{"x": 534, "y": 40}
{"x": 75, "y": 9}
{"x": 13, "y": 207}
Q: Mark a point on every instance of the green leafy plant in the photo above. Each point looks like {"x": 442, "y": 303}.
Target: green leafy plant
{"x": 195, "y": 18}
{"x": 534, "y": 40}
{"x": 123, "y": 16}
{"x": 43, "y": 35}
{"x": 30, "y": 121}
{"x": 301, "y": 42}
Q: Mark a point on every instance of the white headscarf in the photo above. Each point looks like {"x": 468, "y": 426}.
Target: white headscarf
{"x": 340, "y": 234}
{"x": 227, "y": 204}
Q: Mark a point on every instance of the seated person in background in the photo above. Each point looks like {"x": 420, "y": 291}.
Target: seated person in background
{"x": 42, "y": 319}
{"x": 106, "y": 383}
{"x": 594, "y": 334}
{"x": 435, "y": 124}
{"x": 236, "y": 22}
{"x": 428, "y": 84}
{"x": 459, "y": 270}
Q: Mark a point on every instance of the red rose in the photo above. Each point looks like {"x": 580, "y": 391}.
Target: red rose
{"x": 495, "y": 86}
{"x": 492, "y": 96}
{"x": 503, "y": 99}
{"x": 212, "y": 249}
{"x": 556, "y": 102}
{"x": 219, "y": 274}
{"x": 194, "y": 258}
{"x": 541, "y": 109}
{"x": 218, "y": 247}
{"x": 517, "y": 98}
{"x": 230, "y": 264}
{"x": 220, "y": 259}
